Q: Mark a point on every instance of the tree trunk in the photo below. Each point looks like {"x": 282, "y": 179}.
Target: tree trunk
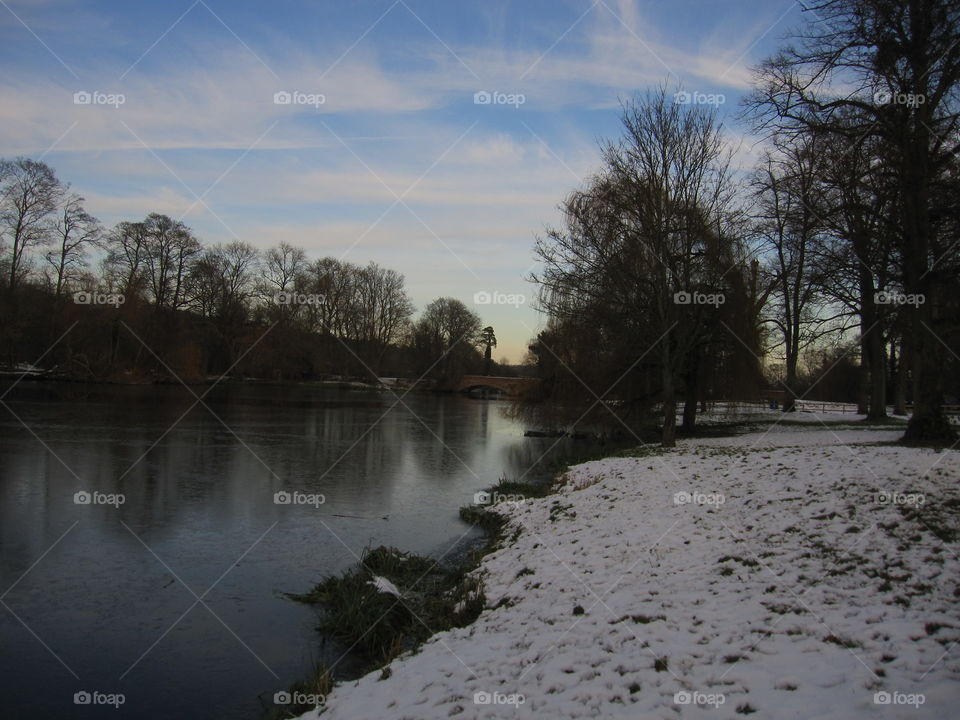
{"x": 669, "y": 436}
{"x": 871, "y": 347}
{"x": 863, "y": 379}
{"x": 878, "y": 376}
{"x": 900, "y": 389}
{"x": 691, "y": 393}
{"x": 668, "y": 395}
{"x": 928, "y": 424}
{"x": 790, "y": 384}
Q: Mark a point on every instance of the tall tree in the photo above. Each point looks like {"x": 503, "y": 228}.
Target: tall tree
{"x": 29, "y": 192}
{"x": 644, "y": 252}
{"x": 171, "y": 248}
{"x": 789, "y": 223}
{"x": 75, "y": 231}
{"x": 889, "y": 70}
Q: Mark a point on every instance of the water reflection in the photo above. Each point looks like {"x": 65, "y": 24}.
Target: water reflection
{"x": 111, "y": 594}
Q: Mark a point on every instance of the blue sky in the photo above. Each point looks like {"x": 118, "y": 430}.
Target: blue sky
{"x": 398, "y": 164}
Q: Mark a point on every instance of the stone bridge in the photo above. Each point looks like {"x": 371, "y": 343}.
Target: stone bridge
{"x": 506, "y": 385}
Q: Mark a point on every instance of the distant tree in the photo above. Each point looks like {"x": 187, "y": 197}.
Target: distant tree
{"x": 75, "y": 231}
{"x": 283, "y": 270}
{"x": 789, "y": 224}
{"x": 221, "y": 285}
{"x": 171, "y": 248}
{"x": 29, "y": 193}
{"x": 382, "y": 311}
{"x": 443, "y": 338}
{"x": 126, "y": 258}
{"x": 487, "y": 341}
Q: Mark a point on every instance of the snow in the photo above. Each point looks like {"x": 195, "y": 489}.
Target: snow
{"x": 385, "y": 586}
{"x": 784, "y": 580}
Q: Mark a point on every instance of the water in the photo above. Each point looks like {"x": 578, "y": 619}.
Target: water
{"x": 176, "y": 597}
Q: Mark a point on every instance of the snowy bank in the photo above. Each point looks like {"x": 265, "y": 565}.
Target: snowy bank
{"x": 794, "y": 572}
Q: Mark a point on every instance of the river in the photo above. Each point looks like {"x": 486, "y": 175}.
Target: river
{"x": 175, "y": 597}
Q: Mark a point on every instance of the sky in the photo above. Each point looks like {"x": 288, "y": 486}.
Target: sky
{"x": 434, "y": 137}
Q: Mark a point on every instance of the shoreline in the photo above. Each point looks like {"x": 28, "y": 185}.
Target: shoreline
{"x": 550, "y": 633}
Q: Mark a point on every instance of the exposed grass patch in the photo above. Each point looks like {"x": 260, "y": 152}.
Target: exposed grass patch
{"x": 379, "y": 625}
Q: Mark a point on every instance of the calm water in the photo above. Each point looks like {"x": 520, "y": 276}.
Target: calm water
{"x": 175, "y": 598}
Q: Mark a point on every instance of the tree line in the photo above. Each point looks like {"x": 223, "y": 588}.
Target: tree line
{"x": 672, "y": 277}
{"x": 146, "y": 300}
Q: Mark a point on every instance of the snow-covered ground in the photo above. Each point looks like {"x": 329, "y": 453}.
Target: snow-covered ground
{"x": 795, "y": 571}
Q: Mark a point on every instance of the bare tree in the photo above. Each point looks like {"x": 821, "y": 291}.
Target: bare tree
{"x": 889, "y": 70}
{"x": 76, "y": 231}
{"x": 29, "y": 192}
{"x": 644, "y": 243}
{"x": 170, "y": 250}
{"x": 126, "y": 257}
{"x": 443, "y": 339}
{"x": 789, "y": 210}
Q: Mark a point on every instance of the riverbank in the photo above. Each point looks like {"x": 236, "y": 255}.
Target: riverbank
{"x": 794, "y": 571}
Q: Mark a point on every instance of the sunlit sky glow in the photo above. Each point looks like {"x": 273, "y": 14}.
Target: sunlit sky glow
{"x": 398, "y": 164}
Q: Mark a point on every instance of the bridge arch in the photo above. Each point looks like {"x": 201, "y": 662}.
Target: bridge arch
{"x": 506, "y": 385}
